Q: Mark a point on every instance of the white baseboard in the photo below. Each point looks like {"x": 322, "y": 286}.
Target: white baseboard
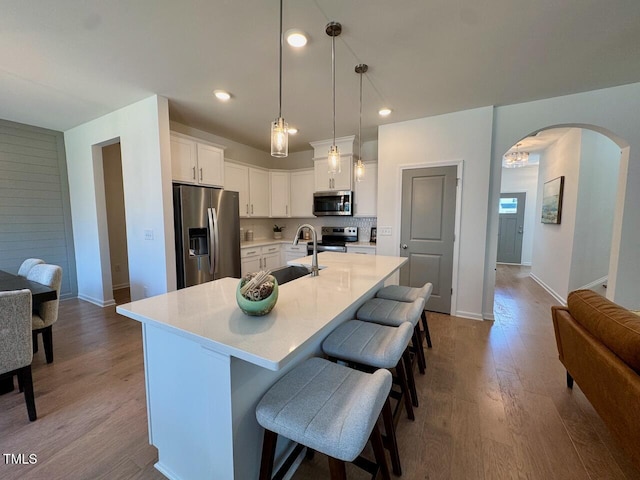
{"x": 526, "y": 264}
{"x": 470, "y": 315}
{"x": 549, "y": 290}
{"x": 95, "y": 301}
{"x": 596, "y": 283}
{"x": 488, "y": 316}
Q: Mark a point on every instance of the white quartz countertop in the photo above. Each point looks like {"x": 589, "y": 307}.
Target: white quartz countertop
{"x": 208, "y": 313}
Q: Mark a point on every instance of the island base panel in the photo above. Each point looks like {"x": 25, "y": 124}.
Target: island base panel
{"x": 189, "y": 401}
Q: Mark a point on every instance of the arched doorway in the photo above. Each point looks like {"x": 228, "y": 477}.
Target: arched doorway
{"x": 577, "y": 251}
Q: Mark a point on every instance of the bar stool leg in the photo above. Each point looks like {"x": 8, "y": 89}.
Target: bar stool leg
{"x": 425, "y": 325}
{"x": 419, "y": 352}
{"x": 411, "y": 381}
{"x": 337, "y": 469}
{"x": 406, "y": 394}
{"x": 378, "y": 451}
{"x": 390, "y": 433}
{"x": 268, "y": 454}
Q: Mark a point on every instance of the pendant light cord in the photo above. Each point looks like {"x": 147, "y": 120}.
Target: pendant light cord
{"x": 280, "y": 76}
{"x": 333, "y": 74}
{"x": 360, "y": 124}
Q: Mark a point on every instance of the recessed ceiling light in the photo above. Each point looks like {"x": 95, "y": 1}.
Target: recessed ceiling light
{"x": 296, "y": 38}
{"x": 383, "y": 112}
{"x": 292, "y": 130}
{"x": 222, "y": 95}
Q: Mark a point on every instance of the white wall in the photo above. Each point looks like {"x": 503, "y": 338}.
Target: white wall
{"x": 553, "y": 248}
{"x": 143, "y": 130}
{"x": 599, "y": 169}
{"x": 462, "y": 136}
{"x": 525, "y": 179}
{"x": 116, "y": 221}
{"x": 613, "y": 111}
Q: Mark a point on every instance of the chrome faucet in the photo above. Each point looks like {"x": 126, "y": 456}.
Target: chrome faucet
{"x": 314, "y": 263}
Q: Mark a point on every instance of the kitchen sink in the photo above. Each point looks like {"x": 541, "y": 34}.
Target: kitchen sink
{"x": 289, "y": 273}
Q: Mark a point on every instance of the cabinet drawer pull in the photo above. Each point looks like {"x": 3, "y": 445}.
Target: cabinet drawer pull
{"x": 252, "y": 253}
{"x": 194, "y": 173}
{"x": 200, "y": 174}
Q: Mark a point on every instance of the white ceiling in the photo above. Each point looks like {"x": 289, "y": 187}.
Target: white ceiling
{"x": 65, "y": 62}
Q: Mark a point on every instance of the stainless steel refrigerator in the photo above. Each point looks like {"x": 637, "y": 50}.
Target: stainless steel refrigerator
{"x": 207, "y": 227}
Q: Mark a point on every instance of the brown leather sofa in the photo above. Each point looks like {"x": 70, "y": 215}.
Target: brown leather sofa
{"x": 599, "y": 345}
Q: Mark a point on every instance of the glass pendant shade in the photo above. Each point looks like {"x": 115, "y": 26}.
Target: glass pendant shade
{"x": 359, "y": 173}
{"x": 279, "y": 138}
{"x": 334, "y": 160}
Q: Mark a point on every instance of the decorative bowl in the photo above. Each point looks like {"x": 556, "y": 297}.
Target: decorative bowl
{"x": 260, "y": 307}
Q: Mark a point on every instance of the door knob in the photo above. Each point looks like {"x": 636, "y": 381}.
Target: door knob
{"x": 404, "y": 246}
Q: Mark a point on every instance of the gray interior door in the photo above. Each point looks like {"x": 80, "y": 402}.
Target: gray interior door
{"x": 427, "y": 231}
{"x": 511, "y": 227}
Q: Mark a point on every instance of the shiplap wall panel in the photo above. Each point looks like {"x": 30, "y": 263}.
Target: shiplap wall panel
{"x": 35, "y": 219}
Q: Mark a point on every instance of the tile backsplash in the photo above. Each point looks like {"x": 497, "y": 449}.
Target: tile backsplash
{"x": 263, "y": 227}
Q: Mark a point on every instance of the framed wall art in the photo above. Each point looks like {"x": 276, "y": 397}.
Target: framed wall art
{"x": 552, "y": 200}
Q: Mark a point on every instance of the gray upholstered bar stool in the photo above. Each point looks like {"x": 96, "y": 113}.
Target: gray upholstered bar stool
{"x": 369, "y": 346}
{"x": 394, "y": 314}
{"x": 329, "y": 408}
{"x": 401, "y": 293}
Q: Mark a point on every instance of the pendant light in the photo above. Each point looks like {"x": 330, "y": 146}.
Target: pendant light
{"x": 279, "y": 132}
{"x": 334, "y": 29}
{"x": 359, "y": 173}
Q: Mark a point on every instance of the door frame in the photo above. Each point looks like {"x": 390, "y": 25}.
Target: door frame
{"x": 456, "y": 243}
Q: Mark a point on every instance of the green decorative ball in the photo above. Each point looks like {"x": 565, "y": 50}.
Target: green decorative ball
{"x": 260, "y": 307}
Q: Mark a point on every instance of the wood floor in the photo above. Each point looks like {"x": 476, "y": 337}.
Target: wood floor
{"x": 493, "y": 405}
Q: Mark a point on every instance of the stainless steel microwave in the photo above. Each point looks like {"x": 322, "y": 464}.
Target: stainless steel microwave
{"x": 339, "y": 202}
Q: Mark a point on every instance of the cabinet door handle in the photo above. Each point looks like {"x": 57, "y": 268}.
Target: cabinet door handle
{"x": 194, "y": 173}
{"x": 286, "y": 210}
{"x": 252, "y": 209}
{"x": 201, "y": 174}
{"x": 247, "y": 209}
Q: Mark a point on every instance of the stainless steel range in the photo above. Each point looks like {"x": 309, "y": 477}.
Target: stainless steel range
{"x": 335, "y": 239}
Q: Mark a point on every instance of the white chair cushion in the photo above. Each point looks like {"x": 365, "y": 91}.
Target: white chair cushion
{"x": 325, "y": 406}
{"x": 391, "y": 312}
{"x": 368, "y": 343}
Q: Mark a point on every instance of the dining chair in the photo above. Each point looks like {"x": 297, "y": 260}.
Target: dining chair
{"x": 16, "y": 351}
{"x": 46, "y": 313}
{"x": 27, "y": 265}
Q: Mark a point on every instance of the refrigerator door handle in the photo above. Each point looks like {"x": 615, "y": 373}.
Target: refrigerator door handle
{"x": 212, "y": 240}
{"x": 215, "y": 240}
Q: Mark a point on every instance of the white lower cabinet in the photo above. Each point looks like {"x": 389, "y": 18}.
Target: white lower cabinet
{"x": 254, "y": 259}
{"x": 359, "y": 249}
{"x": 293, "y": 252}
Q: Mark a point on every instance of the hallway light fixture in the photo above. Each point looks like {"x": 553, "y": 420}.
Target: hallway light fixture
{"x": 516, "y": 159}
{"x": 361, "y": 69}
{"x": 279, "y": 133}
{"x": 334, "y": 29}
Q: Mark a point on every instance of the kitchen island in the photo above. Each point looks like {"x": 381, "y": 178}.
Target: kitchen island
{"x": 207, "y": 364}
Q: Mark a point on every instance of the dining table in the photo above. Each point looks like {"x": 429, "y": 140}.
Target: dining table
{"x": 39, "y": 293}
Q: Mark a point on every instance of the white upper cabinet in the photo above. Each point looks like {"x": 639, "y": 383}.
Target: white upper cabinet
{"x": 366, "y": 192}
{"x": 210, "y": 165}
{"x": 302, "y": 188}
{"x": 339, "y": 181}
{"x": 237, "y": 179}
{"x": 258, "y": 192}
{"x": 253, "y": 186}
{"x": 280, "y": 193}
{"x": 195, "y": 162}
